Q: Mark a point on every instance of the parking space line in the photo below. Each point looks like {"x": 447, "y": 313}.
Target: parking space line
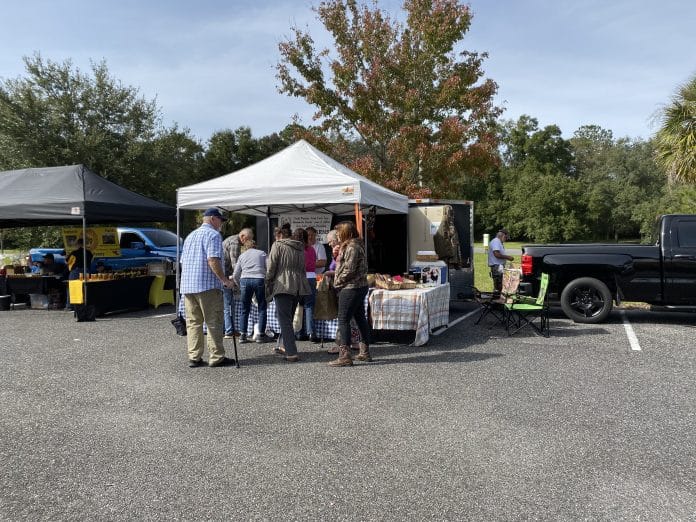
{"x": 452, "y": 323}
{"x": 632, "y": 338}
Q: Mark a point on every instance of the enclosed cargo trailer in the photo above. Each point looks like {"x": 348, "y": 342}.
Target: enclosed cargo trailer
{"x": 446, "y": 227}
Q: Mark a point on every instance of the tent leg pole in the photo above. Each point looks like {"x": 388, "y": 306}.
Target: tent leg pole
{"x": 84, "y": 259}
{"x": 268, "y": 227}
{"x": 176, "y": 265}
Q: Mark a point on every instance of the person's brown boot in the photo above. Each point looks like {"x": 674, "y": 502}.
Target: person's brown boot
{"x": 344, "y": 358}
{"x": 364, "y": 354}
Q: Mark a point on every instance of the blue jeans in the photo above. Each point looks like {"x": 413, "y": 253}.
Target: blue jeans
{"x": 308, "y": 304}
{"x": 252, "y": 286}
{"x": 228, "y": 310}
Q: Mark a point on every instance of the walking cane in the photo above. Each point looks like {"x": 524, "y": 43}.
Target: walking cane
{"x": 234, "y": 343}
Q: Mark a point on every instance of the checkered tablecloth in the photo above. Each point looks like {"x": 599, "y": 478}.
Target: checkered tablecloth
{"x": 324, "y": 329}
{"x": 420, "y": 309}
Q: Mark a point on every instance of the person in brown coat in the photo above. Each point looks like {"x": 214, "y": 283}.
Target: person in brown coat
{"x": 351, "y": 281}
{"x": 286, "y": 283}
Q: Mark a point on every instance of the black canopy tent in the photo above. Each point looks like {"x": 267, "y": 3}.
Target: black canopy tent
{"x": 69, "y": 196}
{"x": 72, "y": 195}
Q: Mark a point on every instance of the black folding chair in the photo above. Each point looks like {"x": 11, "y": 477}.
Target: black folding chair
{"x": 489, "y": 303}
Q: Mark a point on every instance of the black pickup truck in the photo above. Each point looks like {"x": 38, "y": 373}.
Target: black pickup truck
{"x": 589, "y": 278}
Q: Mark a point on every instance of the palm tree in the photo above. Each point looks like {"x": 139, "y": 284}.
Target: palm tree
{"x": 676, "y": 139}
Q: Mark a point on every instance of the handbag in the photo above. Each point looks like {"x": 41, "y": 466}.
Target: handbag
{"x": 297, "y": 320}
{"x": 179, "y": 324}
{"x": 325, "y": 301}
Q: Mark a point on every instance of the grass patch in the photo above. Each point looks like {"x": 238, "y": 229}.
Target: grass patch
{"x": 7, "y": 257}
{"x": 482, "y": 277}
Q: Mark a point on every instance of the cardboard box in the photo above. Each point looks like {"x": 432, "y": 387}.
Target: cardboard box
{"x": 427, "y": 255}
{"x": 432, "y": 273}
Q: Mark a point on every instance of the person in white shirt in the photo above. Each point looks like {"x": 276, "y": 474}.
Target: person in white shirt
{"x": 497, "y": 258}
{"x": 318, "y": 248}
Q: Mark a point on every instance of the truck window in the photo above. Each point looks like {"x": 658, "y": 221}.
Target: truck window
{"x": 127, "y": 238}
{"x": 686, "y": 234}
{"x": 161, "y": 238}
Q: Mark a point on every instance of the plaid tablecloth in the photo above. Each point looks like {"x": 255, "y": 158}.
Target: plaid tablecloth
{"x": 324, "y": 329}
{"x": 420, "y": 309}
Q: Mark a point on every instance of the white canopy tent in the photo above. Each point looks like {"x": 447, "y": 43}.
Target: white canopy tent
{"x": 299, "y": 178}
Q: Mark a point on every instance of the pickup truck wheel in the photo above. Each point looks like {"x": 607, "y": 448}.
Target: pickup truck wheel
{"x": 586, "y": 300}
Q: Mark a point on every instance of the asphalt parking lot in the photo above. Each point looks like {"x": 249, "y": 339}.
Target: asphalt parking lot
{"x": 105, "y": 421}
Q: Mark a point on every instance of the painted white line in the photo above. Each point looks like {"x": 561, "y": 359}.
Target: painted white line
{"x": 635, "y": 346}
{"x": 458, "y": 320}
{"x": 163, "y": 315}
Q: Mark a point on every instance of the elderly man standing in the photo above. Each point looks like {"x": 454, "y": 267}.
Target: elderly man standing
{"x": 202, "y": 281}
{"x": 497, "y": 258}
{"x": 232, "y": 247}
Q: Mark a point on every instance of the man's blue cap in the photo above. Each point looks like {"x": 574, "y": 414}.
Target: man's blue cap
{"x": 213, "y": 212}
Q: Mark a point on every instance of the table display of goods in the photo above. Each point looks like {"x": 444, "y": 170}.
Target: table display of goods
{"x": 396, "y": 282}
{"x": 35, "y": 290}
{"x": 117, "y": 274}
{"x": 107, "y": 292}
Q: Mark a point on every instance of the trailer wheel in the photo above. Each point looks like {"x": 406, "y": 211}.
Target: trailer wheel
{"x": 586, "y": 300}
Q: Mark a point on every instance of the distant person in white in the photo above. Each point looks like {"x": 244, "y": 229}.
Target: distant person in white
{"x": 318, "y": 248}
{"x": 497, "y": 258}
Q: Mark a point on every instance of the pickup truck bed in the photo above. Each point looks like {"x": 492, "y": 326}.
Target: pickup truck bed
{"x": 588, "y": 278}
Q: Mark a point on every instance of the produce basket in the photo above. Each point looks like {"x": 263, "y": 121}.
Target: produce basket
{"x": 386, "y": 283}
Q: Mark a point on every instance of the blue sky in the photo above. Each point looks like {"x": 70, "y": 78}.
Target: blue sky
{"x": 210, "y": 63}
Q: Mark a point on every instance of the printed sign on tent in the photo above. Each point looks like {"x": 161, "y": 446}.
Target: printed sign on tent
{"x": 322, "y": 222}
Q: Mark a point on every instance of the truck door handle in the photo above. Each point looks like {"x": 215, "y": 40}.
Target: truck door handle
{"x": 684, "y": 256}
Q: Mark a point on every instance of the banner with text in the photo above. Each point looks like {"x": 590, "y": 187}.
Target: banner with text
{"x": 101, "y": 241}
{"x": 322, "y": 222}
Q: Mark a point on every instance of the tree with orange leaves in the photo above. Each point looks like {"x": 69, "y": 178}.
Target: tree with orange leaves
{"x": 401, "y": 103}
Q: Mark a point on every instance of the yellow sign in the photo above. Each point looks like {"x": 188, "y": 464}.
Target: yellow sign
{"x": 101, "y": 241}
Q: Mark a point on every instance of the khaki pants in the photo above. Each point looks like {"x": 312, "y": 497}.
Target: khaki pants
{"x": 204, "y": 307}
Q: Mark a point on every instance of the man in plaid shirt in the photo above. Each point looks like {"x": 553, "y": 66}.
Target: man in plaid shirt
{"x": 202, "y": 281}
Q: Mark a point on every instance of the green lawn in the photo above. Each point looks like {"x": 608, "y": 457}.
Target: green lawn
{"x": 7, "y": 256}
{"x": 482, "y": 278}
